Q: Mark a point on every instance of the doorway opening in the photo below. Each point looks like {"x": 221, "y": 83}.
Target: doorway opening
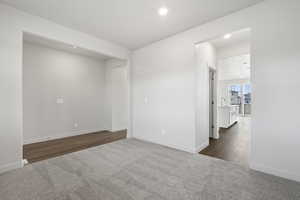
{"x": 228, "y": 59}
{"x": 73, "y": 98}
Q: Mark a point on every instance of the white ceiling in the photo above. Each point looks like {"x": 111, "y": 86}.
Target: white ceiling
{"x": 242, "y": 36}
{"x": 30, "y": 38}
{"x": 131, "y": 23}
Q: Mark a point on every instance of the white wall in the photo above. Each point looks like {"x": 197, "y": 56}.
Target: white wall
{"x": 49, "y": 75}
{"x": 206, "y": 59}
{"x": 164, "y": 73}
{"x": 235, "y": 67}
{"x": 237, "y": 49}
{"x": 163, "y": 82}
{"x": 117, "y": 94}
{"x": 12, "y": 24}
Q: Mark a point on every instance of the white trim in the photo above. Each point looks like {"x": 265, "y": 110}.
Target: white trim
{"x": 276, "y": 172}
{"x": 218, "y": 135}
{"x": 215, "y": 105}
{"x": 202, "y": 146}
{"x": 167, "y": 145}
{"x": 128, "y": 135}
{"x": 11, "y": 166}
{"x": 61, "y": 135}
{"x": 25, "y": 162}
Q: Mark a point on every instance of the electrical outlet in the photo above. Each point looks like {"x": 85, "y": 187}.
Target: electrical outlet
{"x": 163, "y": 132}
{"x": 59, "y": 100}
{"x": 75, "y": 125}
{"x": 146, "y": 100}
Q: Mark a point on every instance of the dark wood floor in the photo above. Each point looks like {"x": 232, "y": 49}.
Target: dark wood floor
{"x": 49, "y": 149}
{"x": 233, "y": 144}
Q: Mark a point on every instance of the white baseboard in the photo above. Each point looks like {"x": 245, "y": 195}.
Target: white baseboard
{"x": 202, "y": 146}
{"x": 11, "y": 166}
{"x": 128, "y": 135}
{"x": 25, "y": 162}
{"x": 276, "y": 172}
{"x": 216, "y": 137}
{"x": 61, "y": 135}
{"x": 173, "y": 146}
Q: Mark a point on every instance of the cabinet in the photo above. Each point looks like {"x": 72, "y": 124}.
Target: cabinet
{"x": 228, "y": 115}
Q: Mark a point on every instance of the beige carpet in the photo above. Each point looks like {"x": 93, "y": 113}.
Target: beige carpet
{"x": 132, "y": 169}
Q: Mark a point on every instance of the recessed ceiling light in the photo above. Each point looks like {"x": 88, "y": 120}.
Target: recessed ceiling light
{"x": 163, "y": 11}
{"x": 227, "y": 36}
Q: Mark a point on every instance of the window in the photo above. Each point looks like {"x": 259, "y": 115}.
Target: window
{"x": 235, "y": 95}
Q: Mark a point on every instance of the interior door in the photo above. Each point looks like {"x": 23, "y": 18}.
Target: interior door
{"x": 211, "y": 102}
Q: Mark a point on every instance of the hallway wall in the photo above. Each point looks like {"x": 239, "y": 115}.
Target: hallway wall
{"x": 164, "y": 72}
{"x": 234, "y": 50}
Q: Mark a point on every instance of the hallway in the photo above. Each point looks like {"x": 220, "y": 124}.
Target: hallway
{"x": 234, "y": 143}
